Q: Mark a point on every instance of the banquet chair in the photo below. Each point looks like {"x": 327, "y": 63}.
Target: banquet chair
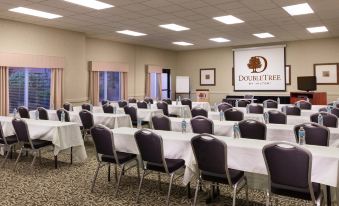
{"x": 86, "y": 106}
{"x": 103, "y": 102}
{"x": 107, "y": 154}
{"x": 87, "y": 121}
{"x": 142, "y": 105}
{"x": 304, "y": 105}
{"x": 233, "y": 115}
{"x": 122, "y": 103}
{"x": 291, "y": 110}
{"x": 255, "y": 109}
{"x": 59, "y": 112}
{"x": 148, "y": 100}
{"x": 161, "y": 122}
{"x": 150, "y": 146}
{"x": 188, "y": 102}
{"x": 329, "y": 120}
{"x": 335, "y": 111}
{"x": 168, "y": 101}
{"x": 164, "y": 106}
{"x": 270, "y": 103}
{"x": 276, "y": 117}
{"x": 211, "y": 157}
{"x": 201, "y": 124}
{"x": 26, "y": 143}
{"x": 289, "y": 168}
{"x": 323, "y": 109}
{"x": 222, "y": 107}
{"x": 243, "y": 102}
{"x": 43, "y": 113}
{"x": 67, "y": 106}
{"x": 198, "y": 111}
{"x": 7, "y": 143}
{"x": 248, "y": 96}
{"x": 108, "y": 108}
{"x": 252, "y": 129}
{"x": 132, "y": 100}
{"x": 132, "y": 112}
{"x": 23, "y": 112}
{"x": 315, "y": 134}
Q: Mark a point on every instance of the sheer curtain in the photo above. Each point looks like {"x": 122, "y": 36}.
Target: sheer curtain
{"x": 158, "y": 71}
{"x": 4, "y": 95}
{"x": 94, "y": 87}
{"x": 56, "y": 88}
{"x": 124, "y": 85}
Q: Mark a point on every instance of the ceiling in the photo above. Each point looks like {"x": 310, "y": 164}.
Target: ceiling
{"x": 146, "y": 15}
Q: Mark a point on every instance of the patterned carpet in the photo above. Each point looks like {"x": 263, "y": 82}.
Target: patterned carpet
{"x": 70, "y": 185}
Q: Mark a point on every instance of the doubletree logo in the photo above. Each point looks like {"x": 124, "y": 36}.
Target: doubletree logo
{"x": 257, "y": 64}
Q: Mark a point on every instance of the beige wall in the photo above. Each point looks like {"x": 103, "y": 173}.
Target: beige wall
{"x": 301, "y": 55}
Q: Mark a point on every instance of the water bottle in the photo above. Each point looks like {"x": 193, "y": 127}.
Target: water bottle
{"x": 301, "y": 135}
{"x": 37, "y": 114}
{"x": 148, "y": 105}
{"x": 266, "y": 118}
{"x": 221, "y": 115}
{"x": 236, "y": 131}
{"x": 278, "y": 100}
{"x": 177, "y": 101}
{"x": 51, "y": 106}
{"x": 329, "y": 109}
{"x": 62, "y": 116}
{"x": 247, "y": 108}
{"x": 215, "y": 107}
{"x": 265, "y": 104}
{"x": 183, "y": 125}
{"x": 114, "y": 110}
{"x": 298, "y": 104}
{"x": 138, "y": 123}
{"x": 307, "y": 99}
{"x": 284, "y": 109}
{"x": 320, "y": 119}
{"x": 334, "y": 104}
{"x": 15, "y": 112}
{"x": 236, "y": 103}
{"x": 91, "y": 108}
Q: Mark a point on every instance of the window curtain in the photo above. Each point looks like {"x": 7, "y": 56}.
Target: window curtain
{"x": 56, "y": 88}
{"x": 148, "y": 84}
{"x": 94, "y": 87}
{"x": 159, "y": 92}
{"x": 123, "y": 86}
{"x": 4, "y": 91}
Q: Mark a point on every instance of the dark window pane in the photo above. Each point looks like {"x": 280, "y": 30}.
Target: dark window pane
{"x": 39, "y": 88}
{"x": 101, "y": 86}
{"x": 111, "y": 89}
{"x": 16, "y": 88}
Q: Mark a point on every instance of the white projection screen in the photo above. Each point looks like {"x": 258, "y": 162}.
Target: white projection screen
{"x": 259, "y": 69}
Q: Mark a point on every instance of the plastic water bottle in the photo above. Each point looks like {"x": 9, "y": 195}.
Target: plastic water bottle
{"x": 221, "y": 115}
{"x": 148, "y": 105}
{"x": 247, "y": 108}
{"x": 215, "y": 107}
{"x": 329, "y": 109}
{"x": 298, "y": 104}
{"x": 179, "y": 98}
{"x": 236, "y": 103}
{"x": 284, "y": 109}
{"x": 307, "y": 99}
{"x": 265, "y": 104}
{"x": 266, "y": 118}
{"x": 334, "y": 104}
{"x": 236, "y": 131}
{"x": 91, "y": 108}
{"x": 62, "y": 116}
{"x": 37, "y": 114}
{"x": 114, "y": 110}
{"x": 278, "y": 100}
{"x": 320, "y": 119}
{"x": 183, "y": 125}
{"x": 139, "y": 123}
{"x": 301, "y": 135}
{"x": 177, "y": 101}
{"x": 51, "y": 106}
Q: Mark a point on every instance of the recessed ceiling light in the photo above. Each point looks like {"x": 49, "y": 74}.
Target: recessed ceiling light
{"x": 94, "y": 4}
{"x": 263, "y": 35}
{"x": 298, "y": 9}
{"x": 229, "y": 19}
{"x": 34, "y": 12}
{"x": 131, "y": 33}
{"x": 182, "y": 43}
{"x": 174, "y": 27}
{"x": 317, "y": 29}
{"x": 219, "y": 39}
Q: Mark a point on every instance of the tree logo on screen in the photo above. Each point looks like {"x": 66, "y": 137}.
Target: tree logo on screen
{"x": 257, "y": 64}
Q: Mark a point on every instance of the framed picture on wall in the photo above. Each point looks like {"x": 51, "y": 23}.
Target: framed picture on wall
{"x": 327, "y": 74}
{"x": 288, "y": 74}
{"x": 207, "y": 77}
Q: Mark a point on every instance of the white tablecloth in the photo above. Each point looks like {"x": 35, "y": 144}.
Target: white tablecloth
{"x": 243, "y": 154}
{"x": 204, "y": 105}
{"x": 179, "y": 110}
{"x": 305, "y": 113}
{"x": 63, "y": 135}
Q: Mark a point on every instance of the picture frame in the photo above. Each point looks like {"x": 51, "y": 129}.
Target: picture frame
{"x": 326, "y": 73}
{"x": 288, "y": 74}
{"x": 207, "y": 77}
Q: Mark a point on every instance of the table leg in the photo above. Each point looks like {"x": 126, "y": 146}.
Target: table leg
{"x": 328, "y": 193}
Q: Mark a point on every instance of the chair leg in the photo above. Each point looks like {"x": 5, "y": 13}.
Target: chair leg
{"x": 95, "y": 176}
{"x": 139, "y": 190}
{"x": 40, "y": 156}
{"x": 188, "y": 190}
{"x": 169, "y": 189}
{"x": 247, "y": 202}
{"x": 33, "y": 161}
{"x": 71, "y": 155}
{"x": 6, "y": 156}
{"x": 196, "y": 193}
{"x": 119, "y": 179}
{"x": 159, "y": 181}
{"x": 138, "y": 169}
{"x": 109, "y": 173}
{"x": 268, "y": 198}
{"x": 116, "y": 172}
{"x": 56, "y": 161}
{"x": 17, "y": 159}
{"x": 235, "y": 194}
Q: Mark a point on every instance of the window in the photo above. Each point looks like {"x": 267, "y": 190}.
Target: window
{"x": 109, "y": 86}
{"x": 29, "y": 87}
{"x": 165, "y": 85}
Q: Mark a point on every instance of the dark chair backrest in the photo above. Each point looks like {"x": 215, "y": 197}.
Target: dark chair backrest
{"x": 142, "y": 105}
{"x": 252, "y": 129}
{"x": 224, "y": 106}
{"x": 210, "y": 154}
{"x": 59, "y": 112}
{"x": 23, "y": 112}
{"x": 335, "y": 111}
{"x": 202, "y": 125}
{"x": 284, "y": 159}
{"x": 315, "y": 134}
{"x": 86, "y": 106}
{"x": 163, "y": 105}
{"x": 168, "y": 101}
{"x": 291, "y": 110}
{"x": 103, "y": 102}
{"x": 276, "y": 117}
{"x": 132, "y": 112}
{"x": 243, "y": 102}
{"x": 67, "y": 106}
{"x": 234, "y": 115}
{"x": 107, "y": 108}
{"x": 323, "y": 109}
{"x": 270, "y": 103}
{"x": 43, "y": 114}
{"x": 86, "y": 119}
{"x": 255, "y": 109}
{"x": 161, "y": 122}
{"x": 21, "y": 130}
{"x": 197, "y": 111}
{"x": 148, "y": 100}
{"x": 132, "y": 100}
{"x": 188, "y": 102}
{"x": 329, "y": 120}
{"x": 248, "y": 96}
{"x": 122, "y": 103}
{"x": 304, "y": 104}
{"x": 103, "y": 141}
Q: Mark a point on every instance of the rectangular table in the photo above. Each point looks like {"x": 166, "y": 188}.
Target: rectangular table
{"x": 305, "y": 113}
{"x": 63, "y": 135}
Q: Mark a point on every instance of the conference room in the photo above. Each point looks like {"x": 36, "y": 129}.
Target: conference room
{"x": 169, "y": 102}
